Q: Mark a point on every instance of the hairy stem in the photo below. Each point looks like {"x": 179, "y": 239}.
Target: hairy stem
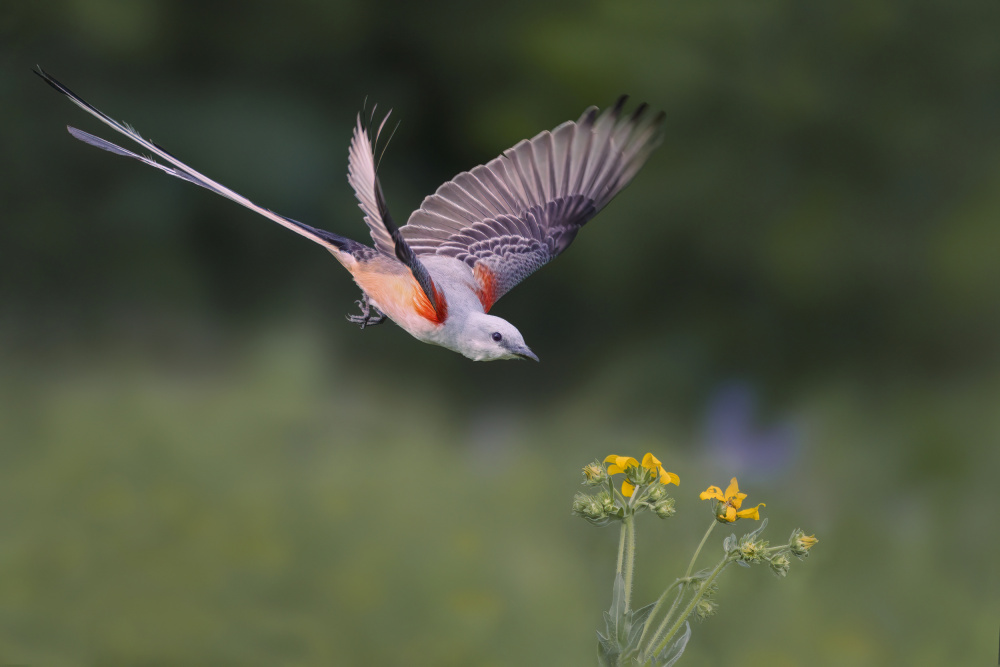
{"x": 697, "y": 551}
{"x": 658, "y": 605}
{"x": 680, "y": 593}
{"x": 629, "y": 529}
{"x": 621, "y": 548}
{"x": 666, "y": 619}
{"x": 691, "y": 605}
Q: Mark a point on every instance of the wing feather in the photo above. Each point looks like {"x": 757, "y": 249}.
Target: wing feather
{"x": 509, "y": 217}
{"x": 363, "y": 177}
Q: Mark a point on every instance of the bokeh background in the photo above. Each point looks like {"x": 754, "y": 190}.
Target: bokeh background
{"x": 201, "y": 462}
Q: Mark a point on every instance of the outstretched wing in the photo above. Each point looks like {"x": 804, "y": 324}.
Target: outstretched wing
{"x": 509, "y": 217}
{"x": 184, "y": 172}
{"x": 363, "y": 177}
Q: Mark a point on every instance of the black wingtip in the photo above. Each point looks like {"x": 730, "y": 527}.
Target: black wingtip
{"x": 619, "y": 105}
{"x": 47, "y": 78}
{"x": 52, "y": 81}
{"x": 641, "y": 109}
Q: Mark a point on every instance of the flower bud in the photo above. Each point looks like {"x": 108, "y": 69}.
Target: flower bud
{"x": 607, "y": 501}
{"x": 594, "y": 473}
{"x": 664, "y": 508}
{"x": 800, "y": 543}
{"x": 656, "y": 493}
{"x": 705, "y": 608}
{"x": 780, "y": 564}
{"x": 590, "y": 508}
{"x": 752, "y": 550}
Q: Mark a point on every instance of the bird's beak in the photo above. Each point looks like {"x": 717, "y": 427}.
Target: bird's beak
{"x": 524, "y": 353}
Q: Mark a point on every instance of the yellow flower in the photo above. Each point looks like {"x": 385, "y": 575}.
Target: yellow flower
{"x": 620, "y": 464}
{"x": 728, "y": 508}
{"x": 653, "y": 463}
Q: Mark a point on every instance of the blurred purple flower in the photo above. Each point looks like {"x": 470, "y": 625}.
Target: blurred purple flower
{"x": 738, "y": 443}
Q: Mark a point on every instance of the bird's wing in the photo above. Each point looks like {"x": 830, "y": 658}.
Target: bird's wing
{"x": 507, "y": 218}
{"x": 362, "y": 174}
{"x": 184, "y": 172}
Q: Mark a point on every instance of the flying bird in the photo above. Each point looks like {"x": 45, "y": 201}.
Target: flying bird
{"x": 469, "y": 243}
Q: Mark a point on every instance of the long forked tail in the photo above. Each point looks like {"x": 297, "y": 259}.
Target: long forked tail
{"x": 184, "y": 172}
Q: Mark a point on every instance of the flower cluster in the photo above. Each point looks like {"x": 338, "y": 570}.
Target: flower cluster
{"x": 657, "y": 634}
{"x": 643, "y": 487}
{"x": 635, "y": 474}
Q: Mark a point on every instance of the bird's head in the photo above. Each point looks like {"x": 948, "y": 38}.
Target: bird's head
{"x": 489, "y": 338}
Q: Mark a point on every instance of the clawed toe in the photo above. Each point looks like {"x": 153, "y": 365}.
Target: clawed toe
{"x": 370, "y": 315}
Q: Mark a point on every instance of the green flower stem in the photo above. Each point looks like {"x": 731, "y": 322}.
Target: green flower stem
{"x": 621, "y": 548}
{"x": 626, "y": 556}
{"x": 659, "y": 603}
{"x": 626, "y": 548}
{"x": 663, "y": 623}
{"x": 677, "y": 598}
{"x": 697, "y": 551}
{"x": 629, "y": 559}
{"x": 691, "y": 605}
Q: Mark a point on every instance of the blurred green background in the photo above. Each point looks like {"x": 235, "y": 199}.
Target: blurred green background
{"x": 203, "y": 463}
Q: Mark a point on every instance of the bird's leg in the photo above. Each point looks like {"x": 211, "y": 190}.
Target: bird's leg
{"x": 370, "y": 315}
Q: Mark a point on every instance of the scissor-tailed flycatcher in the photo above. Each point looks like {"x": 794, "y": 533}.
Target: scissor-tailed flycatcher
{"x": 470, "y": 242}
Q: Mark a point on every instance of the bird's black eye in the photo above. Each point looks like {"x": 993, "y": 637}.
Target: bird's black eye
{"x": 497, "y": 336}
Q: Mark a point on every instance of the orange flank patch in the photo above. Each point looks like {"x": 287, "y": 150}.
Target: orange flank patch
{"x": 399, "y": 296}
{"x": 423, "y": 305}
{"x": 486, "y": 286}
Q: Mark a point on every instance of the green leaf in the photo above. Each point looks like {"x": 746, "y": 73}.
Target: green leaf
{"x": 637, "y": 618}
{"x": 604, "y": 659}
{"x": 758, "y": 531}
{"x": 672, "y": 652}
{"x": 639, "y": 615}
{"x": 608, "y": 651}
{"x": 617, "y": 611}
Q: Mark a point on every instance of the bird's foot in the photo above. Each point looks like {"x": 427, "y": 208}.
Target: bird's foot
{"x": 370, "y": 315}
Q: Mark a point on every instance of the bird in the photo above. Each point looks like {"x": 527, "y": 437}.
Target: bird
{"x": 469, "y": 243}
